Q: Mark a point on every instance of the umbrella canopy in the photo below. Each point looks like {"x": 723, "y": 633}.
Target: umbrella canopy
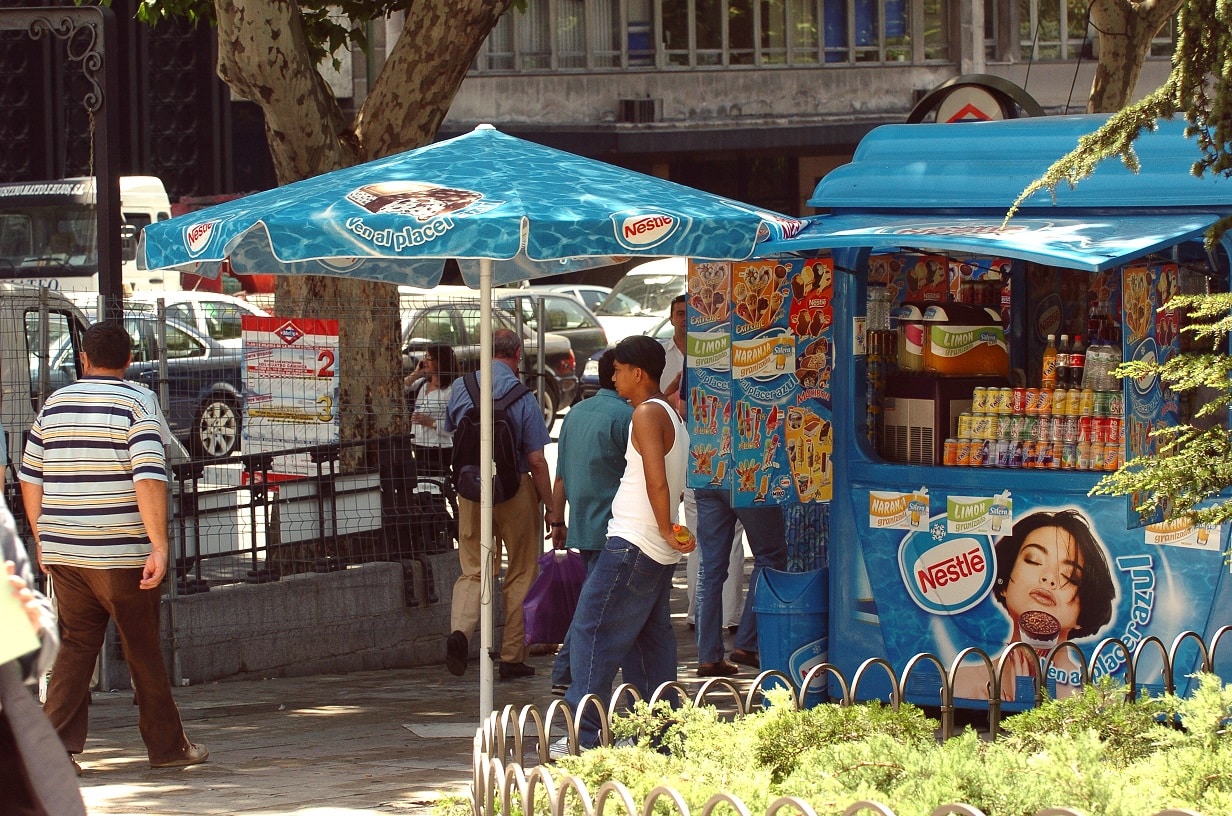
{"x": 505, "y": 208}
{"x": 532, "y": 210}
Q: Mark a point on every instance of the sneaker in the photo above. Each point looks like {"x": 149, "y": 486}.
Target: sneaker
{"x": 196, "y": 754}
{"x": 514, "y": 671}
{"x": 559, "y": 749}
{"x": 559, "y": 690}
{"x": 456, "y": 649}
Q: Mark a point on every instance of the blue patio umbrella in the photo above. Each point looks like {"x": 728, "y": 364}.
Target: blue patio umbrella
{"x": 506, "y": 209}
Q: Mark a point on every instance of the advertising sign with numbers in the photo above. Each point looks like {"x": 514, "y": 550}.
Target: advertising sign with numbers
{"x": 290, "y": 382}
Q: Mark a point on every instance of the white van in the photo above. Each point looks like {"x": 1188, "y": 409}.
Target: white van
{"x": 48, "y": 233}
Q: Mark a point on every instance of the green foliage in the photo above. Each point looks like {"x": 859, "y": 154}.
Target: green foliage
{"x": 1193, "y": 462}
{"x": 1199, "y": 88}
{"x": 1128, "y": 730}
{"x": 1096, "y": 752}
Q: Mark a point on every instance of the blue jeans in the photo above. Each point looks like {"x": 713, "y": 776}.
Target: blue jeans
{"x": 623, "y": 621}
{"x": 560, "y": 668}
{"x": 716, "y": 524}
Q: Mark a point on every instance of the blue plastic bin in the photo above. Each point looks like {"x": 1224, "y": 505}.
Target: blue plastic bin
{"x": 793, "y": 625}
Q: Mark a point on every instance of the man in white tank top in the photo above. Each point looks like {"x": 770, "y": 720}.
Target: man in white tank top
{"x": 623, "y": 617}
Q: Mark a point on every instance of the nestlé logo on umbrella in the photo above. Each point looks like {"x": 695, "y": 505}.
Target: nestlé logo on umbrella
{"x": 645, "y": 228}
{"x": 197, "y": 237}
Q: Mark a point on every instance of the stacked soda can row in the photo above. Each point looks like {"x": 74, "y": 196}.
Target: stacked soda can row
{"x": 1039, "y": 401}
{"x": 1084, "y": 434}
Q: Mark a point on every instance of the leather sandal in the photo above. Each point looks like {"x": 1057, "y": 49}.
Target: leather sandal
{"x": 719, "y": 669}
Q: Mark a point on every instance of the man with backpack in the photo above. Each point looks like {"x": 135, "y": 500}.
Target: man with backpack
{"x": 522, "y": 484}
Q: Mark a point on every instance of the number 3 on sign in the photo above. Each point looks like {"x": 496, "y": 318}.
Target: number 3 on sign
{"x": 326, "y": 412}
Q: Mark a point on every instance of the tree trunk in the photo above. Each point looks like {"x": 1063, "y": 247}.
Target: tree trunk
{"x": 1125, "y": 31}
{"x": 263, "y": 56}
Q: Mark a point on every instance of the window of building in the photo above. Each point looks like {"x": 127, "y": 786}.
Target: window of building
{"x": 1058, "y": 30}
{"x": 613, "y": 34}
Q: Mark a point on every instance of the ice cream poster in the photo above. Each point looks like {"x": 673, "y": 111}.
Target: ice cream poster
{"x": 893, "y": 510}
{"x": 1055, "y": 571}
{"x": 1149, "y": 333}
{"x": 708, "y": 380}
{"x": 783, "y": 444}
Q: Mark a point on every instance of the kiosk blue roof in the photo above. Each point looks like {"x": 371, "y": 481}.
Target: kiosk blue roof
{"x": 948, "y": 187}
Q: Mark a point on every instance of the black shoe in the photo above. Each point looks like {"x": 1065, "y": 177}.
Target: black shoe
{"x": 456, "y": 649}
{"x": 512, "y": 671}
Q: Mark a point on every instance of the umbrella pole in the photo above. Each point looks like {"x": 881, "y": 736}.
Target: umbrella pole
{"x": 487, "y": 566}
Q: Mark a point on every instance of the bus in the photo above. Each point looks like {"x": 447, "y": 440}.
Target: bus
{"x": 48, "y": 233}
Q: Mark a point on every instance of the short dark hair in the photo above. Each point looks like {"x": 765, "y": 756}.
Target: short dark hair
{"x": 1096, "y": 589}
{"x": 446, "y": 362}
{"x": 607, "y": 369}
{"x": 683, "y": 297}
{"x": 108, "y": 345}
{"x": 643, "y": 352}
{"x": 505, "y": 344}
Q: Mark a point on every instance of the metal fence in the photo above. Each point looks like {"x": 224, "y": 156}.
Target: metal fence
{"x": 510, "y": 766}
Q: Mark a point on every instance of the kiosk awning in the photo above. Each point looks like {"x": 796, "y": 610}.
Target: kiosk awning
{"x": 1089, "y": 242}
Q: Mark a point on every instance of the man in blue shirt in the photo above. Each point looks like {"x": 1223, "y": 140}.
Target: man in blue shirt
{"x": 590, "y": 459}
{"x": 513, "y": 520}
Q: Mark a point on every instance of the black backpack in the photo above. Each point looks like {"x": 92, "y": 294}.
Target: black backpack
{"x": 504, "y": 445}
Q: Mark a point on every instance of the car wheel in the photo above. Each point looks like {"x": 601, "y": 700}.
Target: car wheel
{"x": 216, "y": 431}
{"x": 550, "y": 402}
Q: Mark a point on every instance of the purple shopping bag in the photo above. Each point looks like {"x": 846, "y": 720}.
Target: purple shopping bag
{"x": 553, "y": 597}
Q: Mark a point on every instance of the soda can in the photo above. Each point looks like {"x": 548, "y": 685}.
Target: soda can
{"x": 1030, "y": 454}
{"x": 1018, "y": 401}
{"x": 1086, "y": 402}
{"x": 1032, "y": 406}
{"x": 949, "y": 454}
{"x": 1030, "y": 428}
{"x": 1044, "y": 398}
{"x": 1116, "y": 404}
{"x": 963, "y": 456}
{"x": 1097, "y": 456}
{"x": 1015, "y": 457}
{"x": 1004, "y": 449}
{"x": 994, "y": 401}
{"x": 1005, "y": 426}
{"x": 1086, "y": 429}
{"x": 1112, "y": 456}
{"x": 1073, "y": 402}
{"x": 979, "y": 400}
{"x": 1116, "y": 430}
{"x": 981, "y": 424}
{"x": 979, "y": 453}
{"x": 1006, "y": 400}
{"x": 1069, "y": 455}
{"x": 964, "y": 425}
{"x": 1059, "y": 401}
{"x": 1102, "y": 400}
{"x": 1069, "y": 431}
{"x": 1044, "y": 455}
{"x": 1084, "y": 456}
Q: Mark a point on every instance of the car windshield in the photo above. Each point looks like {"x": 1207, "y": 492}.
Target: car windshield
{"x": 643, "y": 295}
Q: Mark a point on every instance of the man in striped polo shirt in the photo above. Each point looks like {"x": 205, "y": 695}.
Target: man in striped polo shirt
{"x": 94, "y": 486}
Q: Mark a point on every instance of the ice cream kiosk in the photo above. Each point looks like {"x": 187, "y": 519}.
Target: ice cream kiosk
{"x": 961, "y": 368}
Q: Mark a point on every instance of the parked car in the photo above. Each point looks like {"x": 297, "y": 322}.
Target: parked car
{"x": 588, "y": 383}
{"x": 219, "y": 316}
{"x": 643, "y": 297}
{"x": 205, "y": 383}
{"x": 589, "y": 295}
{"x": 563, "y": 316}
{"x": 451, "y": 315}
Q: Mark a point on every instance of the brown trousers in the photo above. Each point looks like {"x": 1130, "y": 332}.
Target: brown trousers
{"x": 87, "y": 598}
{"x": 517, "y": 524}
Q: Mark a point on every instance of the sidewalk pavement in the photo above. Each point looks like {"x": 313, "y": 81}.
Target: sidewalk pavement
{"x": 374, "y": 742}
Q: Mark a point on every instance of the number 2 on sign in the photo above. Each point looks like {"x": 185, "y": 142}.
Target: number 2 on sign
{"x": 326, "y": 413}
{"x": 326, "y": 359}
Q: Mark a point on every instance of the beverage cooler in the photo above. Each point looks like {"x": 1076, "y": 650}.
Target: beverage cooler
{"x": 974, "y": 407}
